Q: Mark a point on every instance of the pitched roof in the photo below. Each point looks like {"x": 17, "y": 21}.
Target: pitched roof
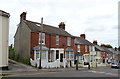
{"x": 36, "y": 27}
{"x": 99, "y": 48}
{"x": 114, "y": 51}
{"x": 3, "y": 13}
{"x": 106, "y": 50}
{"x": 82, "y": 41}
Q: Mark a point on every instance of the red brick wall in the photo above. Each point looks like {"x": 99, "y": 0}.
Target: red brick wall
{"x": 75, "y": 49}
{"x": 34, "y": 39}
{"x": 103, "y": 54}
{"x": 51, "y": 41}
{"x": 82, "y": 49}
{"x": 34, "y": 42}
{"x": 47, "y": 40}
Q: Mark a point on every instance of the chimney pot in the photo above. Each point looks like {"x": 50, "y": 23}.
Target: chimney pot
{"x": 62, "y": 25}
{"x": 83, "y": 36}
{"x": 115, "y": 48}
{"x": 23, "y": 16}
{"x": 95, "y": 42}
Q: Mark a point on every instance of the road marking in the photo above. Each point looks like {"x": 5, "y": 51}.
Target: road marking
{"x": 8, "y": 76}
{"x": 28, "y": 74}
{"x": 112, "y": 74}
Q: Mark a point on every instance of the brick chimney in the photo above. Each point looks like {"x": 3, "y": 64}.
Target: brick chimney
{"x": 95, "y": 42}
{"x": 62, "y": 25}
{"x": 83, "y": 36}
{"x": 23, "y": 16}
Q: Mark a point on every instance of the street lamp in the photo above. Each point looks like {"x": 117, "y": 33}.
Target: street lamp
{"x": 40, "y": 67}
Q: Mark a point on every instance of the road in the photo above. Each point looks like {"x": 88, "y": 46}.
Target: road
{"x": 94, "y": 72}
{"x": 20, "y": 70}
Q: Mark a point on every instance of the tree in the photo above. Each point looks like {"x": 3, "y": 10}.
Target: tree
{"x": 106, "y": 45}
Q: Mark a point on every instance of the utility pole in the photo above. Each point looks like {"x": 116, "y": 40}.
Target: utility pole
{"x": 40, "y": 67}
{"x": 77, "y": 62}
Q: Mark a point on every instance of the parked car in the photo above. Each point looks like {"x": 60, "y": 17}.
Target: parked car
{"x": 115, "y": 64}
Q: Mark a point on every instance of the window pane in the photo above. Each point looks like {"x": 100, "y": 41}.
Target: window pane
{"x": 85, "y": 48}
{"x": 57, "y": 40}
{"x": 43, "y": 38}
{"x": 43, "y": 54}
{"x": 71, "y": 55}
{"x": 68, "y": 41}
{"x": 67, "y": 55}
{"x": 37, "y": 54}
{"x": 78, "y": 48}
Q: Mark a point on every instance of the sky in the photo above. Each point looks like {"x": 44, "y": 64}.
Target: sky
{"x": 98, "y": 19}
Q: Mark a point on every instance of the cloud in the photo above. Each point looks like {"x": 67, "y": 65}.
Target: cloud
{"x": 96, "y": 18}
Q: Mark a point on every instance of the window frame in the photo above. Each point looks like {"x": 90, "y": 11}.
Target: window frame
{"x": 78, "y": 48}
{"x": 43, "y": 38}
{"x": 86, "y": 48}
{"x": 57, "y": 39}
{"x": 44, "y": 54}
{"x": 68, "y": 41}
{"x": 37, "y": 53}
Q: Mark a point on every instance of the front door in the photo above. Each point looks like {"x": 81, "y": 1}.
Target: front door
{"x": 61, "y": 57}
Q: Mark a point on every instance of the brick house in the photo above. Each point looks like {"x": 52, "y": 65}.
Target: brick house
{"x": 115, "y": 53}
{"x": 57, "y": 44}
{"x": 84, "y": 49}
{"x": 109, "y": 55}
{"x": 100, "y": 54}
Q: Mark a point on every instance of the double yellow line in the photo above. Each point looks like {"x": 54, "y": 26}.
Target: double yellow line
{"x": 28, "y": 74}
{"x": 8, "y": 76}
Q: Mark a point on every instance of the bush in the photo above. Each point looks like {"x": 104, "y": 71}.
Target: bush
{"x": 79, "y": 62}
{"x": 12, "y": 56}
{"x": 16, "y": 56}
{"x": 25, "y": 61}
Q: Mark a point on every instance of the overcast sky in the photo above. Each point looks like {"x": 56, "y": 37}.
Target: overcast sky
{"x": 98, "y": 19}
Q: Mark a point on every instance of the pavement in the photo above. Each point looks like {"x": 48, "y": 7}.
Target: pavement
{"x": 17, "y": 68}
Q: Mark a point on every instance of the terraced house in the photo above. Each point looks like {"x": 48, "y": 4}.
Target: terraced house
{"x": 57, "y": 44}
{"x": 85, "y": 50}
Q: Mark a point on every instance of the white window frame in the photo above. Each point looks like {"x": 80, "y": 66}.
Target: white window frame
{"x": 43, "y": 38}
{"x": 69, "y": 55}
{"x": 44, "y": 54}
{"x": 57, "y": 40}
{"x": 68, "y": 41}
{"x": 78, "y": 48}
{"x": 37, "y": 53}
{"x": 93, "y": 48}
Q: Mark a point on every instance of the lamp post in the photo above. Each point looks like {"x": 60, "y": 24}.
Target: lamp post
{"x": 40, "y": 67}
{"x": 77, "y": 62}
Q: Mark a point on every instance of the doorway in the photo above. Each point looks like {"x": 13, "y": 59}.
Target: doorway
{"x": 61, "y": 57}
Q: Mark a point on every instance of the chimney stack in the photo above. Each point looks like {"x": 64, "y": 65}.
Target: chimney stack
{"x": 115, "y": 48}
{"x": 95, "y": 42}
{"x": 23, "y": 16}
{"x": 62, "y": 25}
{"x": 83, "y": 36}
